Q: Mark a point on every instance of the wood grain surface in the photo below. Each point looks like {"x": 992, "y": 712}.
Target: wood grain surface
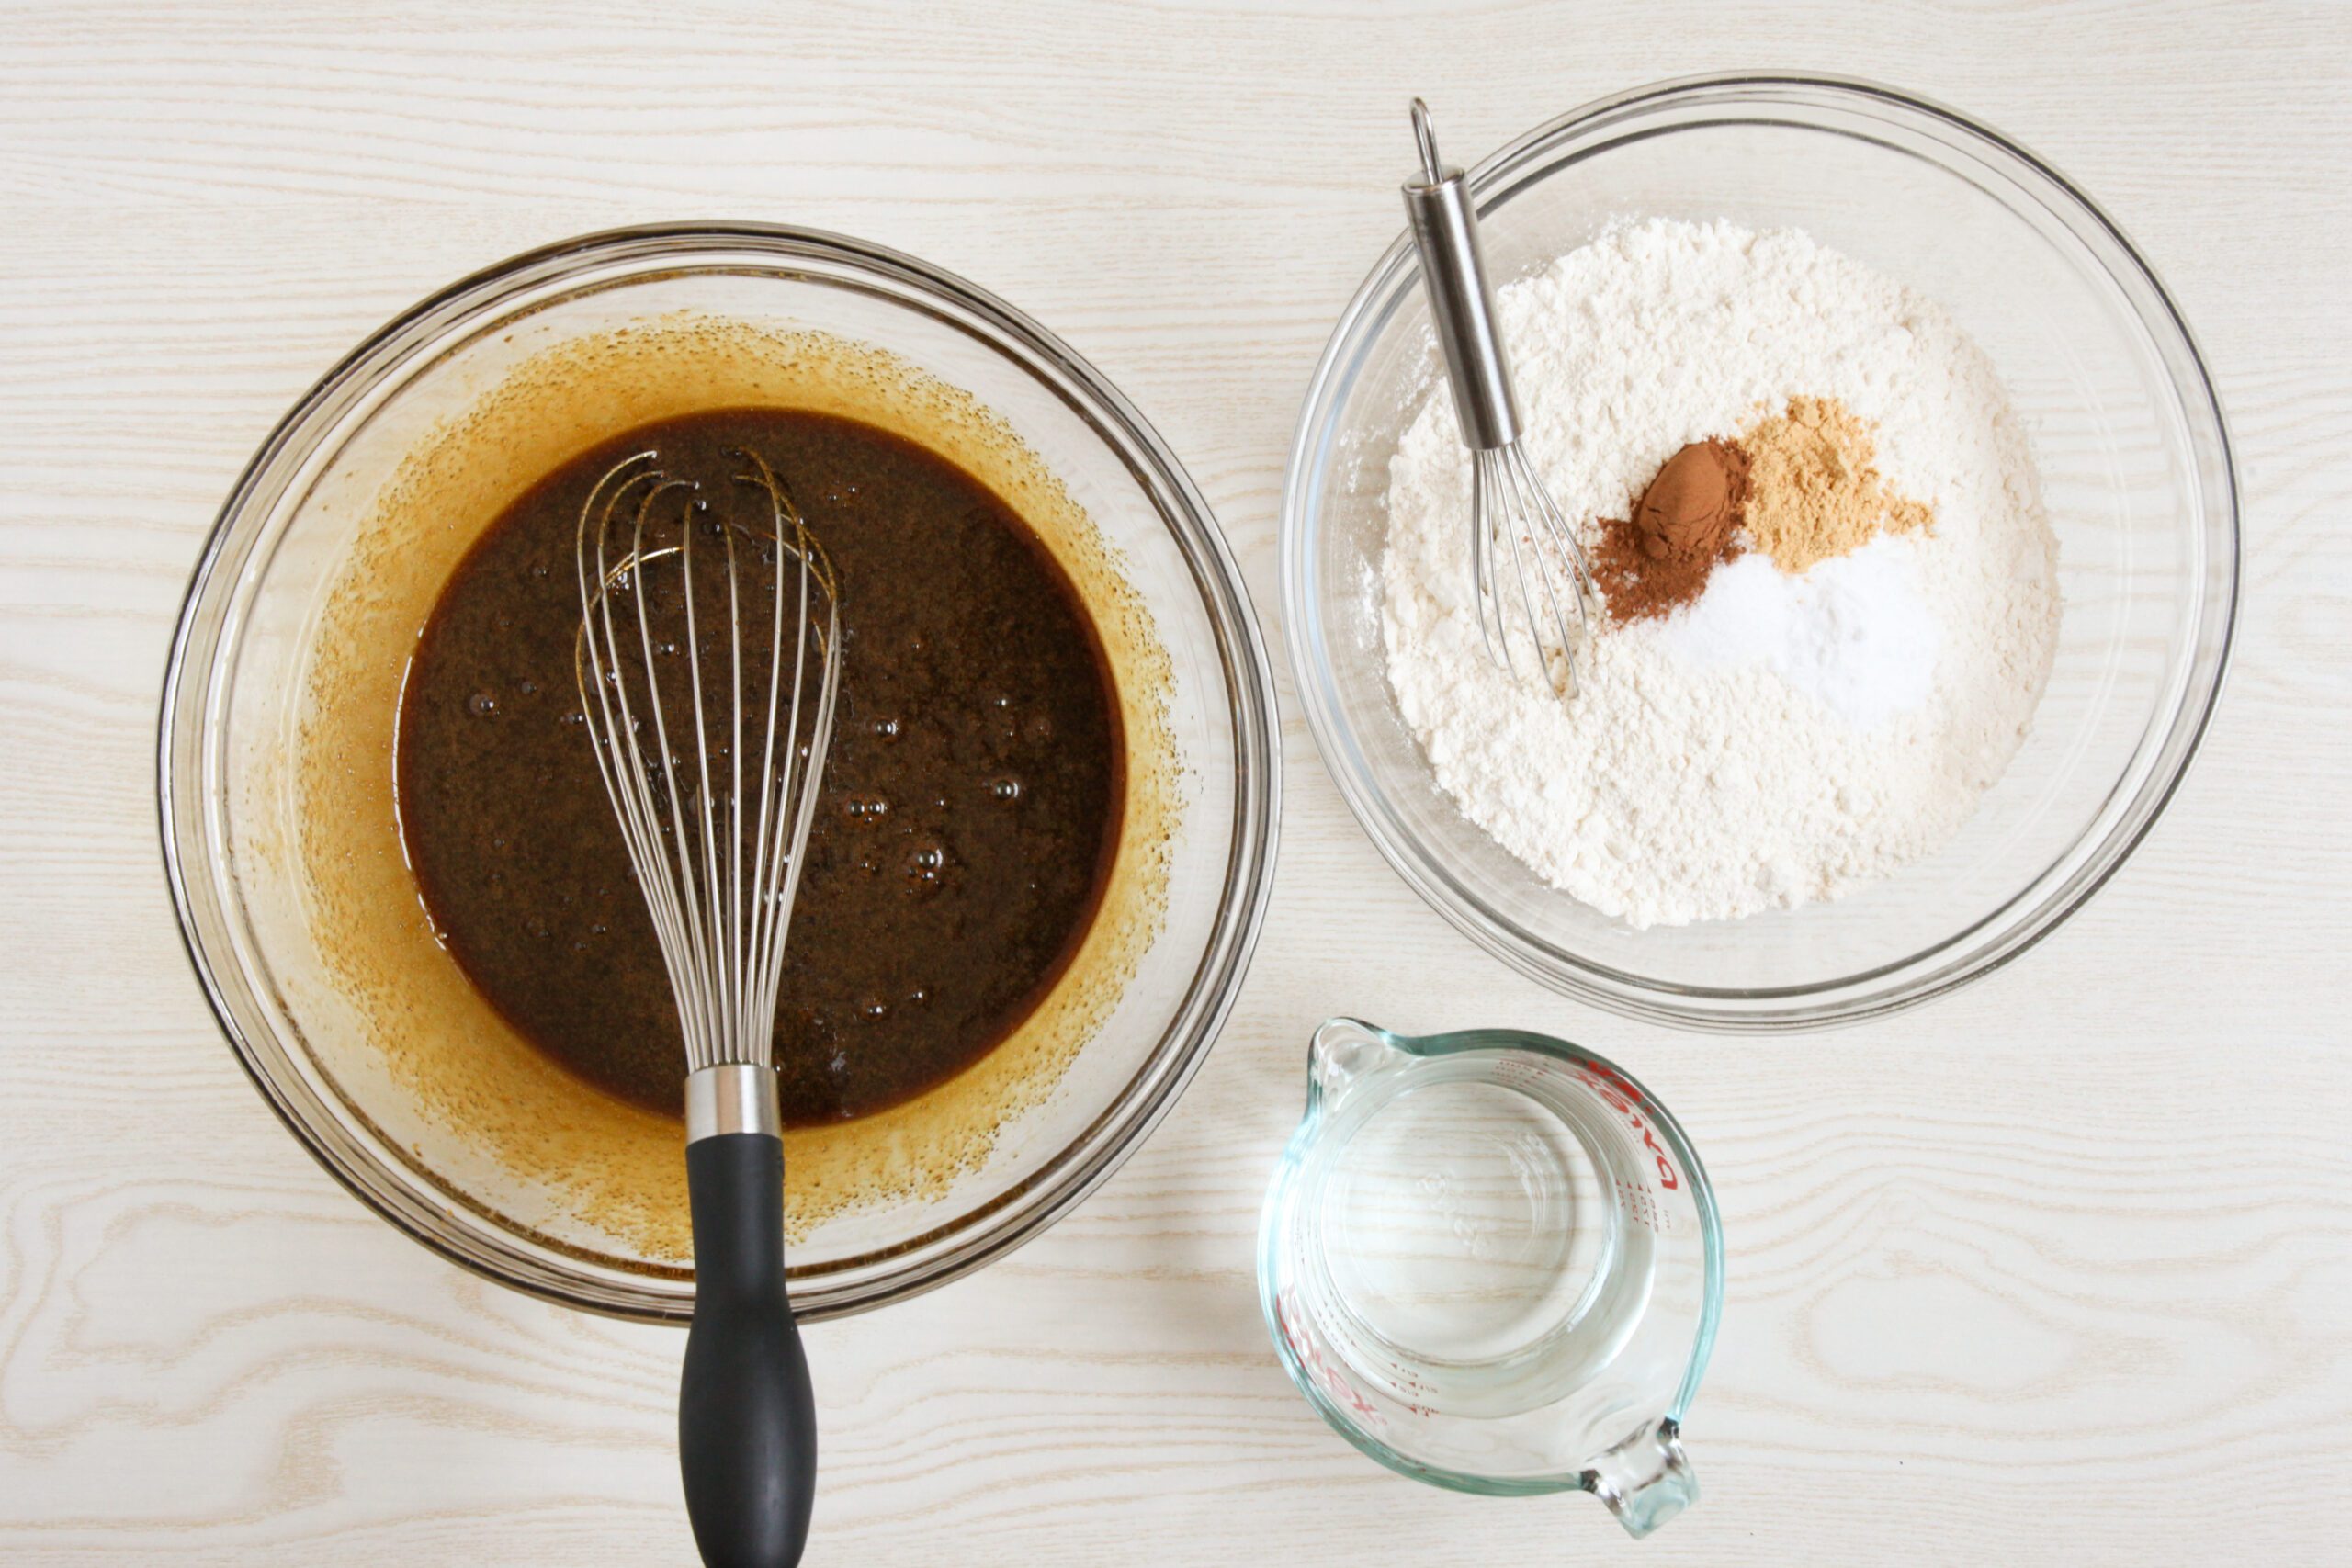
{"x": 2055, "y": 1271}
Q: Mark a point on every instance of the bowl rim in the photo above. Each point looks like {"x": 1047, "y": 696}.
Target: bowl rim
{"x": 1199, "y": 1016}
{"x": 1906, "y": 982}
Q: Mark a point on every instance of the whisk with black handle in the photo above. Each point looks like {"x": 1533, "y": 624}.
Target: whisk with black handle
{"x": 709, "y": 660}
{"x": 1539, "y": 611}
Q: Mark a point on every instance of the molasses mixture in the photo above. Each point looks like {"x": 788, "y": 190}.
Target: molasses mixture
{"x": 970, "y": 802}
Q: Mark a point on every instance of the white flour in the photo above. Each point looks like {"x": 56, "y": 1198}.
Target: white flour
{"x": 1782, "y": 739}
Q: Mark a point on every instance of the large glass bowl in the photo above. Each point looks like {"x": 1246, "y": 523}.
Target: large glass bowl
{"x": 235, "y": 710}
{"x": 2135, "y": 468}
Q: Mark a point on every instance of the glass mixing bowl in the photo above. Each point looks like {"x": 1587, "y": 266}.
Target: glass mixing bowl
{"x": 2135, "y": 470}
{"x": 238, "y": 711}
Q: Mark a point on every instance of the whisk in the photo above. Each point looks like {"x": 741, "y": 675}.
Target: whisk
{"x": 1513, "y": 515}
{"x": 709, "y": 694}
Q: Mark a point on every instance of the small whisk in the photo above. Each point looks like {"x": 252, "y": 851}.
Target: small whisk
{"x": 708, "y": 662}
{"x": 1541, "y": 603}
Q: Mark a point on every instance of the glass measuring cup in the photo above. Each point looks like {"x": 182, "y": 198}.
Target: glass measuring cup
{"x": 1491, "y": 1260}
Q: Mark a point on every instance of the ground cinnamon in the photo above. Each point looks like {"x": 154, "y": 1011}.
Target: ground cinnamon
{"x": 1660, "y": 555}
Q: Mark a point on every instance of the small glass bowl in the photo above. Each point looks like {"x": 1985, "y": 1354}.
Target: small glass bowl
{"x": 234, "y": 708}
{"x": 2135, "y": 468}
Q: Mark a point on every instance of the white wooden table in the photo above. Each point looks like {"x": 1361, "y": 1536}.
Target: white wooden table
{"x": 2058, "y": 1270}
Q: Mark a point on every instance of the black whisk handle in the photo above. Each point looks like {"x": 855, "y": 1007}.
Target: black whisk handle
{"x": 747, "y": 1420}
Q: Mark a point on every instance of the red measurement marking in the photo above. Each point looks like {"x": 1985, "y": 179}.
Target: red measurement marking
{"x": 1332, "y": 1379}
{"x": 1628, "y": 1101}
{"x": 1640, "y": 1205}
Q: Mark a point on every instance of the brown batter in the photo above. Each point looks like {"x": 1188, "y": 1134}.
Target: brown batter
{"x": 970, "y": 804}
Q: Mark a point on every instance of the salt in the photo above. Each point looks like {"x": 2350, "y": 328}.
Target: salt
{"x": 1855, "y": 634}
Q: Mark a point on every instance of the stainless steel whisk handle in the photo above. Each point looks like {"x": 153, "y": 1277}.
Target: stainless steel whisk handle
{"x": 1453, "y": 272}
{"x": 731, "y": 1097}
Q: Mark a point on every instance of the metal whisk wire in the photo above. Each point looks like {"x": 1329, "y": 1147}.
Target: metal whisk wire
{"x": 1510, "y": 506}
{"x": 721, "y": 914}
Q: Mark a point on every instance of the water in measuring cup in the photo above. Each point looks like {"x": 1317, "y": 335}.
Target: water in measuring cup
{"x": 1472, "y": 1247}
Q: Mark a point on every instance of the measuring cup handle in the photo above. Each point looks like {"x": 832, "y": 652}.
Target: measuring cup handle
{"x": 1645, "y": 1480}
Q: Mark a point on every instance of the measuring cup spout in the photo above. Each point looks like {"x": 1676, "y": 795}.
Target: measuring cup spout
{"x": 1344, "y": 1053}
{"x": 1645, "y": 1480}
